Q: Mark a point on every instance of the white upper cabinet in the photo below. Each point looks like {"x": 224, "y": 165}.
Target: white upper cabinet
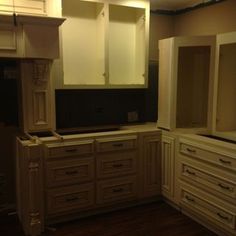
{"x": 104, "y": 44}
{"x": 224, "y": 115}
{"x": 185, "y": 78}
{"x": 25, "y": 36}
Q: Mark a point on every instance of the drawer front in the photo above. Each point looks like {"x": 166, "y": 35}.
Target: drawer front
{"x": 64, "y": 149}
{"x": 212, "y": 156}
{"x": 208, "y": 180}
{"x": 69, "y": 171}
{"x": 117, "y": 190}
{"x": 116, "y": 143}
{"x": 71, "y": 198}
{"x": 116, "y": 164}
{"x": 208, "y": 209}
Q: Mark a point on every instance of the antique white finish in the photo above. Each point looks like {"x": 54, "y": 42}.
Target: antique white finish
{"x": 207, "y": 182}
{"x": 78, "y": 173}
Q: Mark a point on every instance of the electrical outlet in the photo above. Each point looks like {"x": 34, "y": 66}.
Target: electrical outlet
{"x": 132, "y": 116}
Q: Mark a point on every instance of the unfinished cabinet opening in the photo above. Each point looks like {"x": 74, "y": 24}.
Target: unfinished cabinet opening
{"x": 126, "y": 45}
{"x": 226, "y": 109}
{"x": 192, "y": 86}
{"x": 83, "y": 43}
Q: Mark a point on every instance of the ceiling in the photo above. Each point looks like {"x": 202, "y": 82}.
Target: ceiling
{"x": 174, "y": 4}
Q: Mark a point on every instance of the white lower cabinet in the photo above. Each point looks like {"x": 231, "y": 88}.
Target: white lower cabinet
{"x": 84, "y": 174}
{"x": 208, "y": 182}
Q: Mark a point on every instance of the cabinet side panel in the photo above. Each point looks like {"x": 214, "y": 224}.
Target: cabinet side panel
{"x": 165, "y": 80}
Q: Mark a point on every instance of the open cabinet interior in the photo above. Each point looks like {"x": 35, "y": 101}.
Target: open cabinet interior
{"x": 192, "y": 86}
{"x": 126, "y": 45}
{"x": 226, "y": 97}
{"x": 83, "y": 43}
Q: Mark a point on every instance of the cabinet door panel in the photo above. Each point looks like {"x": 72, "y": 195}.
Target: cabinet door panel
{"x": 152, "y": 162}
{"x": 167, "y": 162}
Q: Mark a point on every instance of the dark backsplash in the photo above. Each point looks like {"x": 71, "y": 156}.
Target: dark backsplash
{"x": 92, "y": 107}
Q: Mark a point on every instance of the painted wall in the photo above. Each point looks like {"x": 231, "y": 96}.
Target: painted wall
{"x": 217, "y": 18}
{"x": 161, "y": 26}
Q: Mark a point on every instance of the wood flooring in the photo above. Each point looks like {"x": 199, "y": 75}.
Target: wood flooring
{"x": 155, "y": 219}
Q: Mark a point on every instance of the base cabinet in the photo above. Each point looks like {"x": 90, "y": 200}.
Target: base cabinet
{"x": 208, "y": 182}
{"x": 84, "y": 175}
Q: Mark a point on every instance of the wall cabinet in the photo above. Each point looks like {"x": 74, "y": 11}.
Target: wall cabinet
{"x": 104, "y": 44}
{"x": 208, "y": 183}
{"x": 29, "y": 36}
{"x": 185, "y": 80}
{"x": 224, "y": 118}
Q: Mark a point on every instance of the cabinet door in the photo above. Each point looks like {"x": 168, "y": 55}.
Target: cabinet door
{"x": 151, "y": 165}
{"x": 167, "y": 163}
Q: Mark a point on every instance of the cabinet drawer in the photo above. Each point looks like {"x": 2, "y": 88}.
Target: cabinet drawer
{"x": 116, "y": 143}
{"x": 207, "y": 209}
{"x": 208, "y": 180}
{"x": 116, "y": 164}
{"x": 64, "y": 149}
{"x": 116, "y": 190}
{"x": 69, "y": 171}
{"x": 208, "y": 154}
{"x": 70, "y": 198}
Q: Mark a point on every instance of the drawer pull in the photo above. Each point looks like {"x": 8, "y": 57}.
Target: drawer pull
{"x": 72, "y": 172}
{"x": 191, "y": 150}
{"x": 190, "y": 172}
{"x": 225, "y": 187}
{"x": 118, "y": 165}
{"x": 118, "y": 190}
{"x": 223, "y": 217}
{"x": 72, "y": 199}
{"x": 189, "y": 199}
{"x": 118, "y": 145}
{"x": 71, "y": 150}
{"x": 224, "y": 161}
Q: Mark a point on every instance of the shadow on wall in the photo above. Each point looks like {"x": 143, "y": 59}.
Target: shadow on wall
{"x": 91, "y": 107}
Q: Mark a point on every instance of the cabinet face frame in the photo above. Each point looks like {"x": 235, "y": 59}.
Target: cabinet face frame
{"x": 169, "y": 73}
{"x": 222, "y": 40}
{"x": 143, "y": 5}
